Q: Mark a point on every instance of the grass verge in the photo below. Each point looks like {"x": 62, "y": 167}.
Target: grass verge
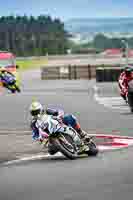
{"x": 31, "y": 64}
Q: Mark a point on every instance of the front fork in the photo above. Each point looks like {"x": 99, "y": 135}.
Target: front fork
{"x": 76, "y": 138}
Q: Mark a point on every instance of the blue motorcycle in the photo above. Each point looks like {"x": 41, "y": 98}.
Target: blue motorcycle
{"x": 9, "y": 81}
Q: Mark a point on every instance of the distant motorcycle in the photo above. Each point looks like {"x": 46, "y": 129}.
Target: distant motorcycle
{"x": 66, "y": 140}
{"x": 9, "y": 81}
{"x": 130, "y": 95}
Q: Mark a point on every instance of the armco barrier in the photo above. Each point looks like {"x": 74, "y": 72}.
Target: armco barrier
{"x": 102, "y": 73}
{"x": 68, "y": 72}
{"x": 108, "y": 74}
{"x": 99, "y": 74}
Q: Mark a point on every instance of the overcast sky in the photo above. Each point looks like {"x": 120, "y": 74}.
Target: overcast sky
{"x": 66, "y": 9}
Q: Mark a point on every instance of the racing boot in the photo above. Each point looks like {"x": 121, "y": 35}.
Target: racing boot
{"x": 84, "y": 136}
{"x": 85, "y": 140}
{"x": 125, "y": 98}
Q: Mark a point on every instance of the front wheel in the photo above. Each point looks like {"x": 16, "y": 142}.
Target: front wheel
{"x": 131, "y": 110}
{"x": 66, "y": 146}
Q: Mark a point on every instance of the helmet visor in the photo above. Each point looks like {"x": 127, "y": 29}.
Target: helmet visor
{"x": 35, "y": 112}
{"x": 128, "y": 72}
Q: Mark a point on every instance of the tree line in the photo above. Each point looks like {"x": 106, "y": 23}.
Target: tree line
{"x": 28, "y": 36}
{"x": 101, "y": 43}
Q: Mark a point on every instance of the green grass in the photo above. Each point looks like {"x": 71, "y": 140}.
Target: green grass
{"x": 29, "y": 64}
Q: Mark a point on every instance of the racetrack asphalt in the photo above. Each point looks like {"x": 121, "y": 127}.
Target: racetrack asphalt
{"x": 105, "y": 177}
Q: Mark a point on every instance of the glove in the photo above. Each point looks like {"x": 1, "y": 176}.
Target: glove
{"x": 57, "y": 118}
{"x": 40, "y": 139}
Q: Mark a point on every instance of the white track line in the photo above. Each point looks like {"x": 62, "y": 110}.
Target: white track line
{"x": 115, "y": 103}
{"x": 128, "y": 141}
{"x": 46, "y": 156}
{"x": 101, "y": 148}
{"x": 95, "y": 89}
{"x": 31, "y": 158}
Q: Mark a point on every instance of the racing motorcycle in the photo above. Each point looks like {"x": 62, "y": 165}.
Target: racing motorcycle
{"x": 66, "y": 140}
{"x": 9, "y": 81}
{"x": 130, "y": 95}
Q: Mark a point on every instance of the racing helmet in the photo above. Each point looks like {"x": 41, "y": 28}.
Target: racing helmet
{"x": 36, "y": 109}
{"x": 2, "y": 69}
{"x": 128, "y": 70}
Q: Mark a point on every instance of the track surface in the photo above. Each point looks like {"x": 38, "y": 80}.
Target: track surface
{"x": 109, "y": 176}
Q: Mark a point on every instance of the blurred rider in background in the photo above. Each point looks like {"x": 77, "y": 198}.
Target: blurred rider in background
{"x": 124, "y": 78}
{"x": 8, "y": 79}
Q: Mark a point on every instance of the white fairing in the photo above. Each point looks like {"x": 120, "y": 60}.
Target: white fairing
{"x": 46, "y": 121}
{"x": 130, "y": 84}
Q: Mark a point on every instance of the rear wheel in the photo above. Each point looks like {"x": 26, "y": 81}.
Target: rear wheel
{"x": 93, "y": 150}
{"x": 17, "y": 88}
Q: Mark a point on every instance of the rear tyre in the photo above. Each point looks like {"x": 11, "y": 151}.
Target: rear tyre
{"x": 93, "y": 151}
{"x": 17, "y": 88}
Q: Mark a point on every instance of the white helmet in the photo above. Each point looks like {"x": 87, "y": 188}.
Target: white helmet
{"x": 36, "y": 109}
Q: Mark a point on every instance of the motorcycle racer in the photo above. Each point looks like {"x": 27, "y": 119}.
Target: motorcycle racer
{"x": 8, "y": 80}
{"x": 124, "y": 78}
{"x": 40, "y": 118}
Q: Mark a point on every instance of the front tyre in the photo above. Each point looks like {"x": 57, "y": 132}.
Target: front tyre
{"x": 131, "y": 110}
{"x": 66, "y": 146}
{"x": 52, "y": 149}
